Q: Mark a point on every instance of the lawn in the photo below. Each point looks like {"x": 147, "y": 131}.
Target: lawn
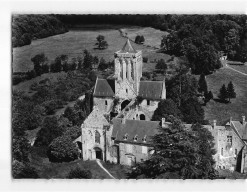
{"x": 241, "y": 68}
{"x": 118, "y": 171}
{"x": 48, "y": 170}
{"x": 238, "y": 106}
{"x": 75, "y": 41}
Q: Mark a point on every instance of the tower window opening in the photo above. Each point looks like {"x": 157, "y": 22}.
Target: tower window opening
{"x": 106, "y": 102}
{"x": 148, "y": 102}
{"x": 127, "y": 91}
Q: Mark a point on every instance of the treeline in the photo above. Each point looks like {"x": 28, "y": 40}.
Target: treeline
{"x": 199, "y": 37}
{"x": 26, "y": 28}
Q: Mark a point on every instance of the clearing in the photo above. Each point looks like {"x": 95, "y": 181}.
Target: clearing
{"x": 238, "y": 106}
{"x": 75, "y": 41}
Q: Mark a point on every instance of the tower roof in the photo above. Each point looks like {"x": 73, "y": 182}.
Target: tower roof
{"x": 128, "y": 48}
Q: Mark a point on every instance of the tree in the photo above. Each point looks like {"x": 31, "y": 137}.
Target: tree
{"x": 79, "y": 173}
{"x": 102, "y": 64}
{"x": 161, "y": 65}
{"x": 192, "y": 111}
{"x": 175, "y": 155}
{"x": 23, "y": 171}
{"x": 20, "y": 148}
{"x": 206, "y": 150}
{"x": 209, "y": 96}
{"x": 39, "y": 61}
{"x": 73, "y": 132}
{"x": 139, "y": 39}
{"x": 62, "y": 149}
{"x": 50, "y": 130}
{"x": 88, "y": 60}
{"x": 165, "y": 109}
{"x": 179, "y": 153}
{"x": 223, "y": 93}
{"x": 202, "y": 84}
{"x": 230, "y": 91}
{"x": 102, "y": 44}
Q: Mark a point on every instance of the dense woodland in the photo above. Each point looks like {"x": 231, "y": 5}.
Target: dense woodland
{"x": 26, "y": 28}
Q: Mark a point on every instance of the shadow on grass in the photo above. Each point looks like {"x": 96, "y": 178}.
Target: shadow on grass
{"x": 221, "y": 101}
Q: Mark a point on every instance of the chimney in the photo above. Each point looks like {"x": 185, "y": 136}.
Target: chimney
{"x": 214, "y": 123}
{"x": 243, "y": 120}
{"x": 230, "y": 119}
{"x": 163, "y": 122}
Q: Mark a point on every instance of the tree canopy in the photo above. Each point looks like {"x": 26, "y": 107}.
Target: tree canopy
{"x": 178, "y": 154}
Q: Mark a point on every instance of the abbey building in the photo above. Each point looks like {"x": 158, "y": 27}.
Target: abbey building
{"x": 119, "y": 127}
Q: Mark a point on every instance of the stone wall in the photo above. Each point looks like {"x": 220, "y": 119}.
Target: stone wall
{"x": 227, "y": 150}
{"x": 104, "y": 104}
{"x": 132, "y": 153}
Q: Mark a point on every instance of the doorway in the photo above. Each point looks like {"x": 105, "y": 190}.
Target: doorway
{"x": 98, "y": 153}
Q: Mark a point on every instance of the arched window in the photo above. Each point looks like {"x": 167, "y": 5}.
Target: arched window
{"x": 148, "y": 102}
{"x": 221, "y": 151}
{"x": 106, "y": 102}
{"x": 236, "y": 152}
{"x": 127, "y": 91}
{"x": 132, "y": 70}
{"x": 97, "y": 137}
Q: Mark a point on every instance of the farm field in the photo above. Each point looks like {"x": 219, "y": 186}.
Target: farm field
{"x": 238, "y": 106}
{"x": 75, "y": 41}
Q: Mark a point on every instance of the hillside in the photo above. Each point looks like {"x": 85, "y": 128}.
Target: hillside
{"x": 26, "y": 28}
{"x": 237, "y": 108}
{"x": 74, "y": 42}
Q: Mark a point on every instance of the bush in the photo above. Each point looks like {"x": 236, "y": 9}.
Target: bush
{"x": 78, "y": 173}
{"x": 23, "y": 171}
{"x": 145, "y": 59}
{"x": 62, "y": 149}
{"x": 49, "y": 131}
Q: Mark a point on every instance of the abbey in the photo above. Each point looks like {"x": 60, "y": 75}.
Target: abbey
{"x": 119, "y": 127}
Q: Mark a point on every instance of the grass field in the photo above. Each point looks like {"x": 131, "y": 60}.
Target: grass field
{"x": 238, "y": 106}
{"x": 241, "y": 68}
{"x": 48, "y": 170}
{"x": 75, "y": 41}
{"x": 152, "y": 36}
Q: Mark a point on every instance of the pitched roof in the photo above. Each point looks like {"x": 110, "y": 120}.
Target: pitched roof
{"x": 95, "y": 119}
{"x": 104, "y": 88}
{"x": 133, "y": 128}
{"x": 151, "y": 89}
{"x": 240, "y": 128}
{"x": 128, "y": 48}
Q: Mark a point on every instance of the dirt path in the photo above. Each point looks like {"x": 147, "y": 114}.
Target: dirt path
{"x": 226, "y": 65}
{"x": 99, "y": 163}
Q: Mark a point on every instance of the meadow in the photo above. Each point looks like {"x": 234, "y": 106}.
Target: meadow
{"x": 214, "y": 110}
{"x": 76, "y": 40}
{"x": 241, "y": 68}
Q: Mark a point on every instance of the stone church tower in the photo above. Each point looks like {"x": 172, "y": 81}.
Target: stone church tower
{"x": 128, "y": 71}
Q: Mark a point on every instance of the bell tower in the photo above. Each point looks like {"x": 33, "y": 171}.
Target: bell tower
{"x": 128, "y": 71}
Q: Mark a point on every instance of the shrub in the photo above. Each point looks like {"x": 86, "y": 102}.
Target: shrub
{"x": 21, "y": 171}
{"x": 62, "y": 149}
{"x": 145, "y": 59}
{"x": 79, "y": 173}
{"x": 73, "y": 132}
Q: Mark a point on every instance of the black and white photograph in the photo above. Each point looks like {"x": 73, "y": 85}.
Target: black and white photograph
{"x": 128, "y": 96}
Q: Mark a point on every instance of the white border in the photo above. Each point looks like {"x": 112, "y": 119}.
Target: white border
{"x": 102, "y": 7}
